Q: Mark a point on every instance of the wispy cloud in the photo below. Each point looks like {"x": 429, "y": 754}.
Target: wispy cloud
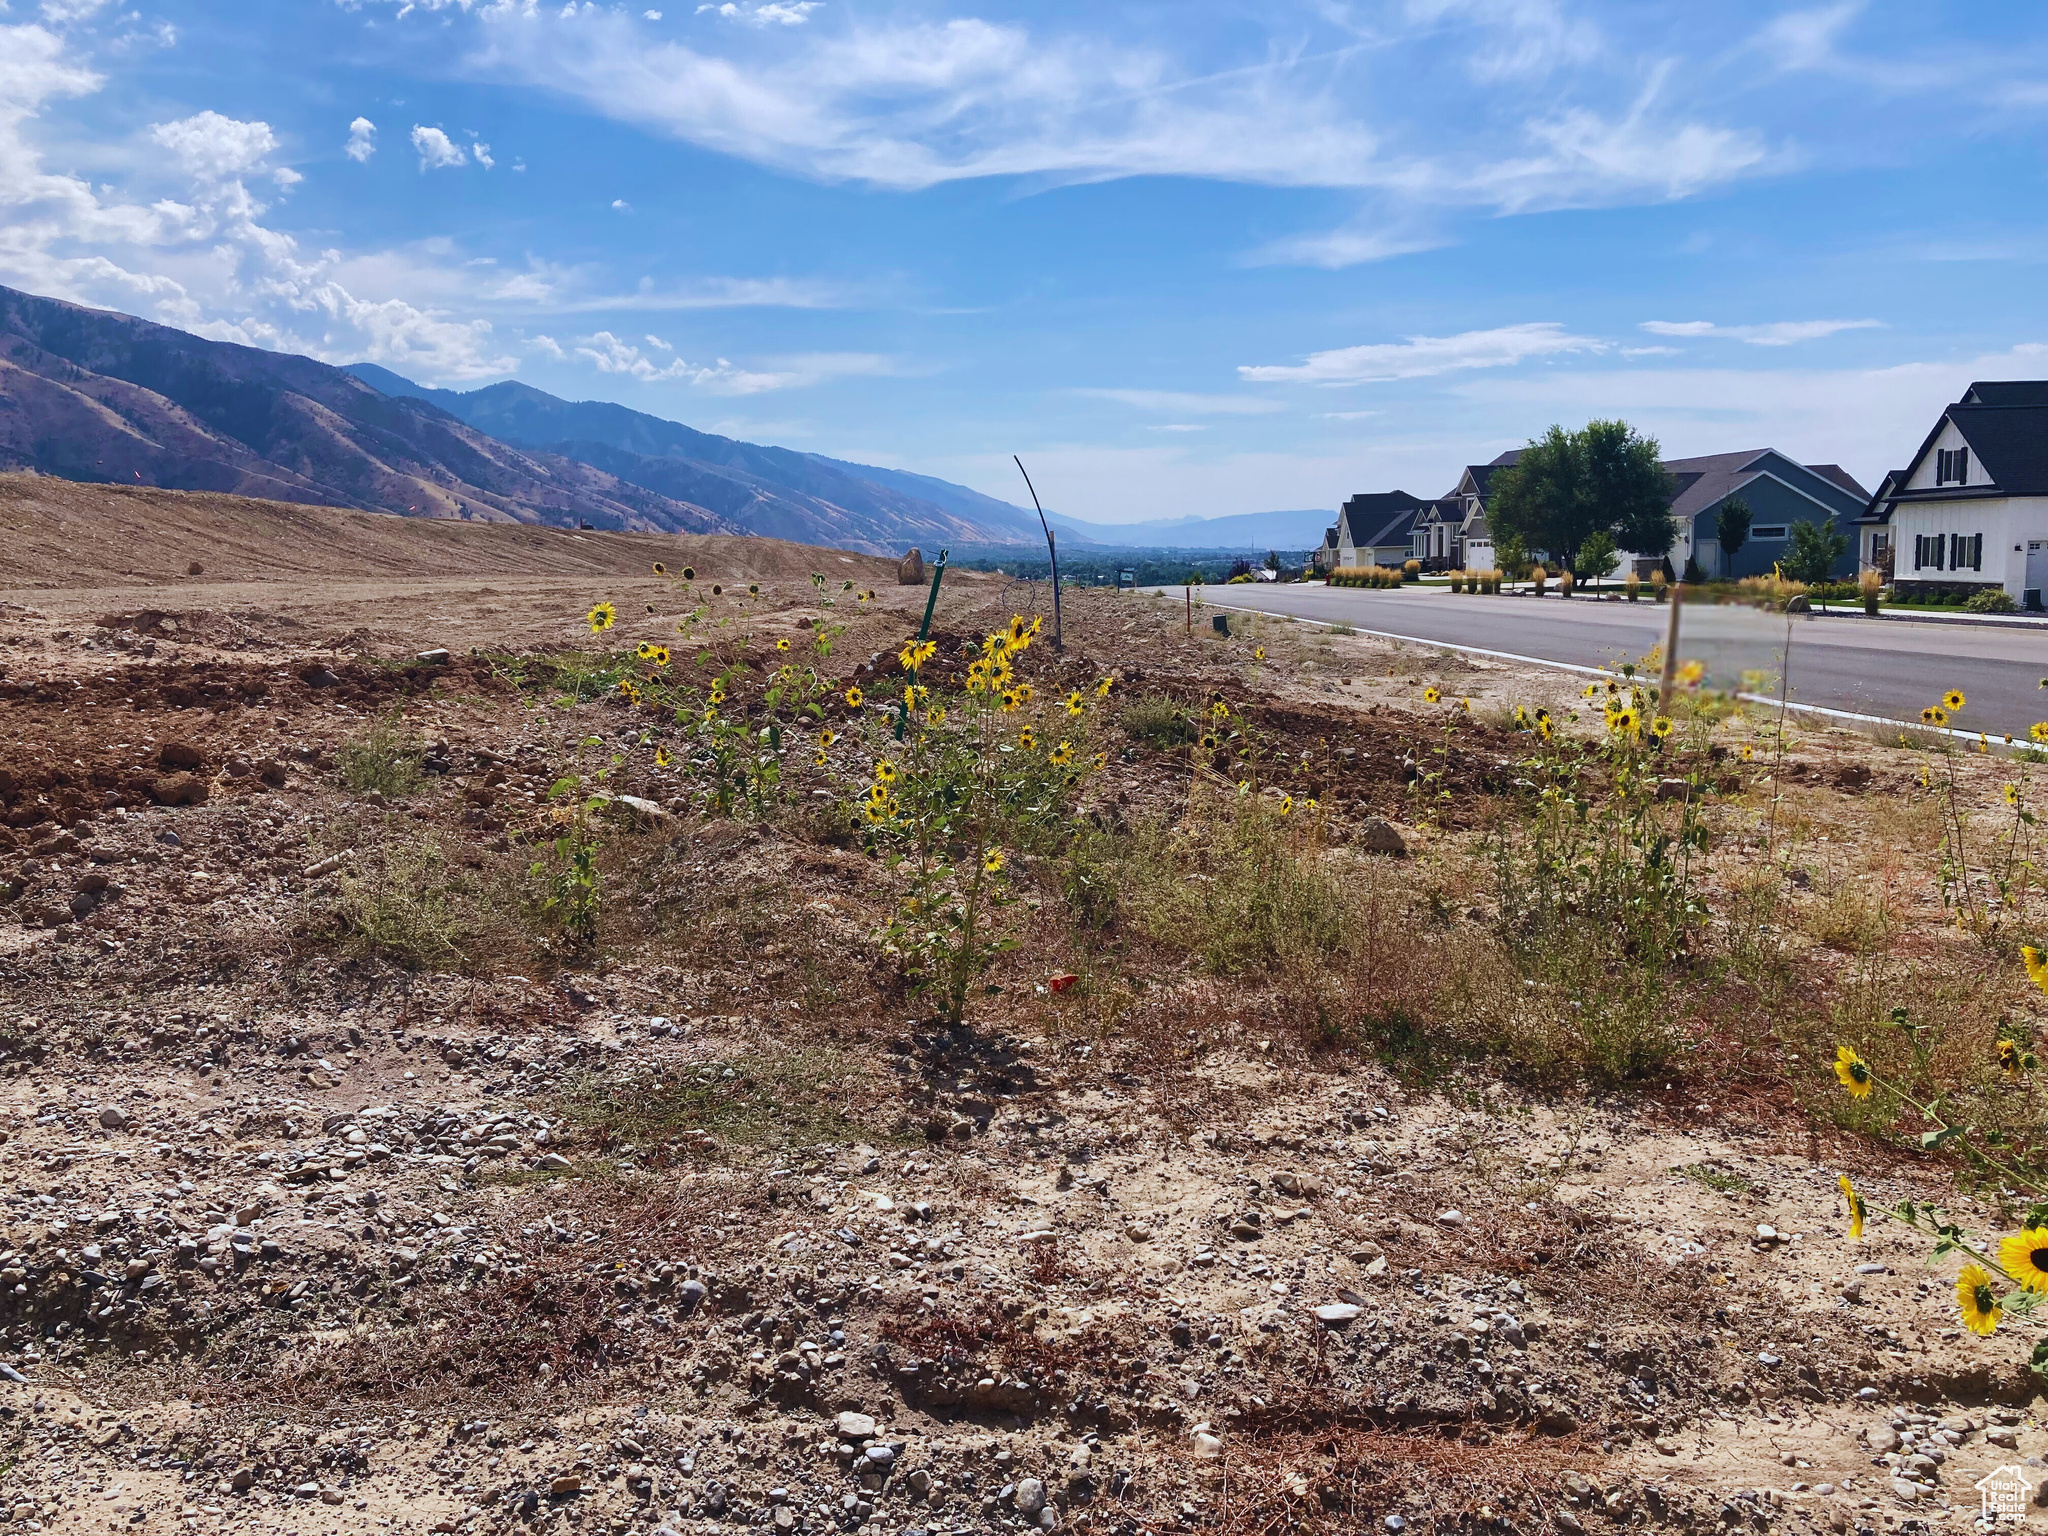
{"x": 436, "y": 150}
{"x": 1779, "y": 333}
{"x": 771, "y": 13}
{"x": 610, "y": 354}
{"x": 362, "y": 140}
{"x": 1420, "y": 357}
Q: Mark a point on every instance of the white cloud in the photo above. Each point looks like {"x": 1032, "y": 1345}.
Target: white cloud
{"x": 482, "y": 152}
{"x": 1422, "y": 357}
{"x": 771, "y": 13}
{"x": 1779, "y": 333}
{"x": 1174, "y": 402}
{"x": 61, "y": 13}
{"x": 362, "y": 140}
{"x": 550, "y": 346}
{"x": 205, "y": 261}
{"x": 1179, "y": 426}
{"x": 620, "y": 205}
{"x": 436, "y": 150}
{"x": 651, "y": 15}
{"x": 610, "y": 354}
{"x": 1346, "y": 247}
{"x": 210, "y": 147}
{"x": 1346, "y": 415}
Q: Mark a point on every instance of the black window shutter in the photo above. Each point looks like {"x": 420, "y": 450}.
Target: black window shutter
{"x": 1962, "y": 465}
{"x": 1977, "y": 553}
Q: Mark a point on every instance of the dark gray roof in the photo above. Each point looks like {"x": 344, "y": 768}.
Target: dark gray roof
{"x": 1841, "y": 477}
{"x": 2006, "y": 392}
{"x": 2010, "y": 441}
{"x": 1364, "y": 516}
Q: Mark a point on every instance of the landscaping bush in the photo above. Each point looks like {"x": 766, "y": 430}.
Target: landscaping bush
{"x": 1992, "y": 600}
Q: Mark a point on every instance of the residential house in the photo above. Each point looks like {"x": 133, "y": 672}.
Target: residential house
{"x": 1969, "y": 512}
{"x": 1324, "y": 556}
{"x": 1376, "y": 528}
{"x": 1451, "y": 532}
{"x": 1779, "y": 490}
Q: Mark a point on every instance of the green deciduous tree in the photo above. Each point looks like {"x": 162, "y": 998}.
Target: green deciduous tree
{"x": 1731, "y": 530}
{"x": 1566, "y": 486}
{"x": 1813, "y": 549}
{"x": 1597, "y": 556}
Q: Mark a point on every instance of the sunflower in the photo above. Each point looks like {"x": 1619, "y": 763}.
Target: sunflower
{"x": 878, "y": 810}
{"x": 853, "y": 696}
{"x": 2038, "y": 731}
{"x": 1258, "y": 653}
{"x": 1012, "y": 701}
{"x": 914, "y": 696}
{"x": 782, "y": 644}
{"x": 1953, "y": 699}
{"x": 718, "y": 591}
{"x": 936, "y": 715}
{"x": 1856, "y": 1207}
{"x": 1589, "y": 690}
{"x": 1103, "y": 685}
{"x": 2009, "y": 1058}
{"x": 1220, "y": 710}
{"x": 1286, "y": 804}
{"x": 1027, "y": 740}
{"x": 644, "y": 649}
{"x": 1748, "y": 751}
{"x": 916, "y": 653}
{"x": 1036, "y": 625}
{"x": 2036, "y": 964}
{"x": 660, "y": 569}
{"x": 1977, "y": 1302}
{"x": 1208, "y": 741}
{"x": 2024, "y": 1256}
{"x": 826, "y": 738}
{"x": 626, "y": 688}
{"x": 661, "y": 757}
{"x": 1017, "y": 633}
{"x": 885, "y": 772}
{"x": 1000, "y": 672}
{"x": 878, "y": 794}
{"x": 1074, "y": 705}
{"x": 717, "y": 693}
{"x": 1853, "y": 1071}
{"x": 753, "y": 589}
{"x": 1521, "y": 718}
{"x": 1430, "y": 694}
{"x": 821, "y": 759}
{"x": 1102, "y": 760}
{"x": 1692, "y": 673}
{"x": 1934, "y": 714}
{"x": 689, "y": 573}
{"x": 2012, "y": 794}
{"x": 602, "y": 618}
{"x": 1024, "y": 692}
{"x": 1624, "y": 721}
{"x": 1061, "y": 755}
{"x": 992, "y": 861}
{"x": 1660, "y": 727}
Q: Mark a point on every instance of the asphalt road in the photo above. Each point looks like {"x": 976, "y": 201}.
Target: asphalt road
{"x": 1887, "y": 667}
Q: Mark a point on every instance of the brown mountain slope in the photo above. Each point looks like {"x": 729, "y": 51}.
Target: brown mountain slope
{"x": 94, "y": 395}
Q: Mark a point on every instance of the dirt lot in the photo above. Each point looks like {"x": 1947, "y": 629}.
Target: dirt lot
{"x": 354, "y": 1190}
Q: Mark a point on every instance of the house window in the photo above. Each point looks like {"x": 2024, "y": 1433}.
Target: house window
{"x": 1927, "y": 550}
{"x": 1768, "y": 531}
{"x": 1964, "y": 549}
{"x": 1951, "y": 466}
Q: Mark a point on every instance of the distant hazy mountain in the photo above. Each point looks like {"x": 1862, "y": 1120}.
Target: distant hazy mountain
{"x": 1243, "y": 530}
{"x": 89, "y": 394}
{"x": 775, "y": 491}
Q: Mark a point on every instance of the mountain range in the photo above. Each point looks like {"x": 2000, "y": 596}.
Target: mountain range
{"x": 94, "y": 395}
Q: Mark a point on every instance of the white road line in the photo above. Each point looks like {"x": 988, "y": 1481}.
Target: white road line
{"x": 1569, "y": 666}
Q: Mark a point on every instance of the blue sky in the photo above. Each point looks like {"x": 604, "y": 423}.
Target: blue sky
{"x": 1185, "y": 258}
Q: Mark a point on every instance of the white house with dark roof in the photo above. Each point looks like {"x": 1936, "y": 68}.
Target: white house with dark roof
{"x": 1376, "y": 528}
{"x": 1969, "y": 512}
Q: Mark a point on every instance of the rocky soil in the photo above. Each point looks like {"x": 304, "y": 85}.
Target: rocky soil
{"x": 714, "y": 1231}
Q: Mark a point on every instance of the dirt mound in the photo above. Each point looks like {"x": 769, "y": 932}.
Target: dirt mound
{"x": 57, "y": 533}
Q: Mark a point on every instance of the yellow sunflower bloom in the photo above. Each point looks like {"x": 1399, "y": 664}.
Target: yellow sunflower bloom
{"x": 689, "y": 573}
{"x": 1286, "y": 804}
{"x": 1102, "y": 760}
{"x": 1258, "y": 653}
{"x": 1074, "y": 705}
{"x": 1027, "y": 740}
{"x": 661, "y": 757}
{"x": 821, "y": 759}
{"x": 1012, "y": 701}
{"x": 853, "y": 696}
{"x": 2009, "y": 1060}
{"x": 1748, "y": 751}
{"x": 1061, "y": 755}
{"x": 1220, "y": 710}
{"x": 1856, "y": 1211}
{"x": 1853, "y": 1071}
{"x": 2024, "y": 1256}
{"x": 877, "y": 793}
{"x": 1430, "y": 694}
{"x": 660, "y": 569}
{"x": 1209, "y": 741}
{"x": 826, "y": 738}
{"x": 1691, "y": 673}
{"x": 992, "y": 860}
{"x": 1103, "y": 686}
{"x": 2038, "y": 732}
{"x": 936, "y": 715}
{"x": 1934, "y": 714}
{"x": 1661, "y": 727}
{"x": 1953, "y": 699}
{"x": 2012, "y": 794}
{"x": 602, "y": 618}
{"x": 885, "y": 772}
{"x": 1589, "y": 690}
{"x": 782, "y": 644}
{"x": 2036, "y": 964}
{"x": 1624, "y": 722}
{"x": 644, "y": 649}
{"x": 1976, "y": 1301}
